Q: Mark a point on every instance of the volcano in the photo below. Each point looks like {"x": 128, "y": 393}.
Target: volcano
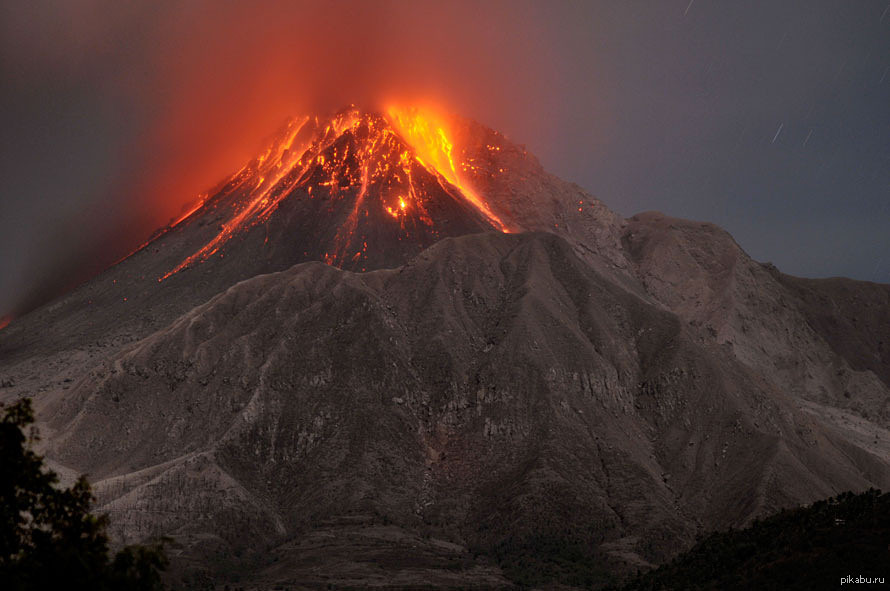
{"x": 357, "y": 190}
{"x": 329, "y": 188}
{"x": 393, "y": 351}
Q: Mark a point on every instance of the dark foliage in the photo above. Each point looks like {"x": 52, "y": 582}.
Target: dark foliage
{"x": 808, "y": 548}
{"x": 48, "y": 538}
{"x": 566, "y": 557}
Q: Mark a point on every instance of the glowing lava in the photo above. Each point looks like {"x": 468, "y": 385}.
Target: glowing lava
{"x": 402, "y": 159}
{"x": 271, "y": 168}
{"x": 433, "y": 148}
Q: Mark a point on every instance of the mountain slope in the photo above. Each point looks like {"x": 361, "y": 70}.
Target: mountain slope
{"x": 494, "y": 392}
{"x": 822, "y": 342}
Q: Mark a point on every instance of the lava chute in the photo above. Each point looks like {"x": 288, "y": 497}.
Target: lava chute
{"x": 433, "y": 147}
{"x": 374, "y": 178}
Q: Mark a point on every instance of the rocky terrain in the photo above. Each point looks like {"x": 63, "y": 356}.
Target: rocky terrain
{"x": 455, "y": 407}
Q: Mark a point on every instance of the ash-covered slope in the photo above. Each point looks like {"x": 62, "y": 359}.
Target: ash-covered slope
{"x": 495, "y": 392}
{"x": 821, "y": 341}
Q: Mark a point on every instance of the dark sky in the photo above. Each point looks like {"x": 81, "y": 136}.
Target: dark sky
{"x": 769, "y": 118}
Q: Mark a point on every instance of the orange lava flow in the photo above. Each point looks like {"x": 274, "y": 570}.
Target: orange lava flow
{"x": 381, "y": 159}
{"x": 433, "y": 149}
{"x": 375, "y": 151}
{"x": 4, "y": 321}
{"x": 352, "y": 222}
{"x": 195, "y": 207}
{"x": 272, "y": 166}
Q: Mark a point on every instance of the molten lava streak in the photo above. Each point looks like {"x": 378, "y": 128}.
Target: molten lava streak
{"x": 272, "y": 166}
{"x": 433, "y": 148}
{"x": 350, "y": 151}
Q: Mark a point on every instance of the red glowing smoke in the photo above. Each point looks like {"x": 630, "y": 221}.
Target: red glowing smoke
{"x": 199, "y": 86}
{"x": 228, "y": 75}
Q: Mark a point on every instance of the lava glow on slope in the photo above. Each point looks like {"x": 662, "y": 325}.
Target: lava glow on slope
{"x": 343, "y": 157}
{"x": 266, "y": 174}
{"x": 433, "y": 148}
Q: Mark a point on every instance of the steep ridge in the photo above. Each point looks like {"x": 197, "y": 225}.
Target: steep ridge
{"x": 852, "y": 316}
{"x": 811, "y": 341}
{"x": 495, "y": 392}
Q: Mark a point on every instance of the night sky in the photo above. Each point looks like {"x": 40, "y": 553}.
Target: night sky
{"x": 771, "y": 119}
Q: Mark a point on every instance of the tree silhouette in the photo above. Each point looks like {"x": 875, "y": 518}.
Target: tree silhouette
{"x": 48, "y": 537}
{"x": 806, "y": 548}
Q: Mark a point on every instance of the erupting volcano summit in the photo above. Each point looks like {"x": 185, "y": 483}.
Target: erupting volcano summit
{"x": 357, "y": 190}
{"x": 351, "y": 189}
